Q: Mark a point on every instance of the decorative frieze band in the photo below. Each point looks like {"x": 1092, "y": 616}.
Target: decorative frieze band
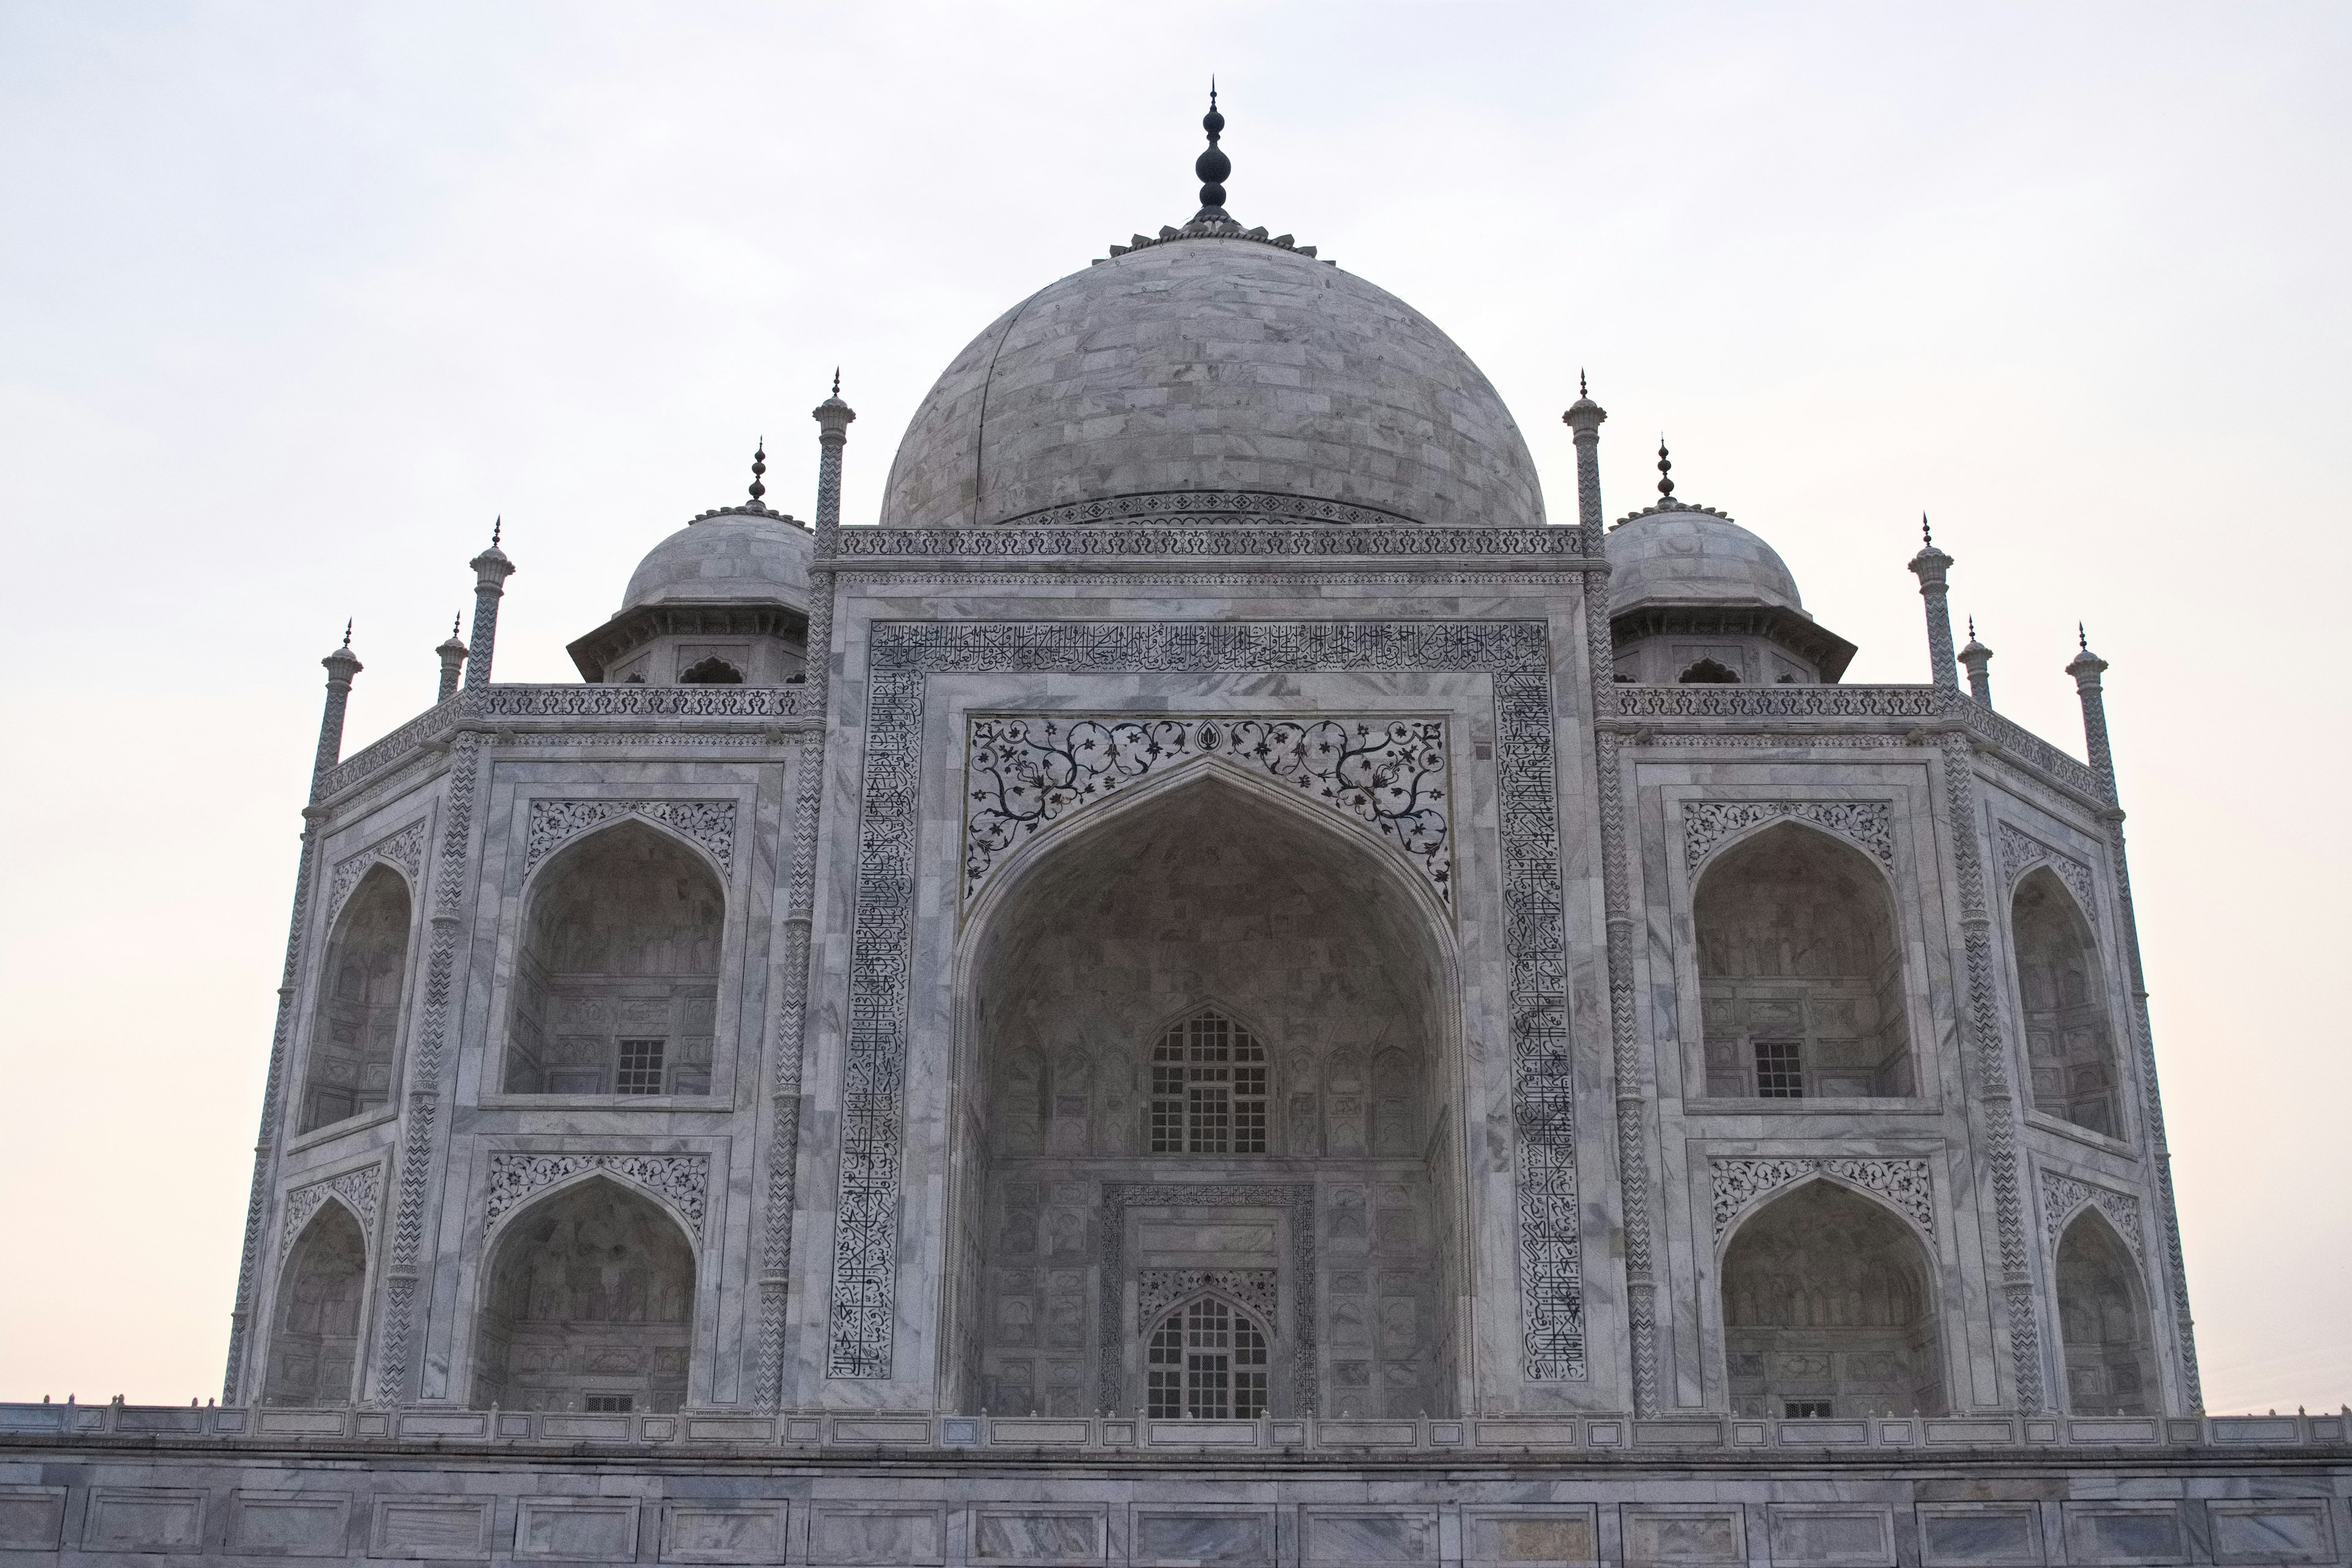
{"x": 681, "y": 1181}
{"x": 1110, "y": 540}
{"x": 1707, "y": 824}
{"x": 1740, "y": 1185}
{"x": 2020, "y": 852}
{"x": 404, "y": 849}
{"x": 359, "y": 1190}
{"x": 555, "y": 823}
{"x": 1157, "y": 1289}
{"x": 1025, "y": 773}
{"x": 2063, "y": 1198}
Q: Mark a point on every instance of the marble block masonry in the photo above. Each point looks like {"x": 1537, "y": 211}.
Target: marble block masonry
{"x": 1209, "y": 986}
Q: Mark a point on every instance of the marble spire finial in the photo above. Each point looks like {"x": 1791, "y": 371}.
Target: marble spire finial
{"x": 759, "y": 467}
{"x": 1213, "y": 166}
{"x": 1665, "y": 472}
{"x": 347, "y": 632}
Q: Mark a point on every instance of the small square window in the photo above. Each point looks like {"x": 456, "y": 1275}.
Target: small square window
{"x": 641, "y": 1066}
{"x": 1805, "y": 1409}
{"x": 608, "y": 1403}
{"x": 1779, "y": 1075}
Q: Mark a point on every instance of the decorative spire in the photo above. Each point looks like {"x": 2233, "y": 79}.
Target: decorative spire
{"x": 347, "y": 631}
{"x": 759, "y": 467}
{"x": 341, "y": 664}
{"x": 498, "y": 526}
{"x": 836, "y": 381}
{"x": 491, "y": 569}
{"x": 1582, "y": 390}
{"x": 1665, "y": 474}
{"x": 1931, "y": 566}
{"x": 1927, "y": 539}
{"x": 1213, "y": 166}
{"x": 1976, "y": 659}
{"x": 2086, "y": 667}
{"x": 452, "y": 655}
{"x": 2081, "y": 638}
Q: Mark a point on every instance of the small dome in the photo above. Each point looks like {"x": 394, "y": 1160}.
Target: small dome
{"x": 725, "y": 557}
{"x": 1240, "y": 370}
{"x": 1678, "y": 554}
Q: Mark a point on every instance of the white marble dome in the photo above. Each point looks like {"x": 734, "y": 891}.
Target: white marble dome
{"x": 1212, "y": 365}
{"x": 1681, "y": 554}
{"x": 725, "y": 557}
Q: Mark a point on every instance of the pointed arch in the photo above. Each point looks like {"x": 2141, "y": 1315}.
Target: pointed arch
{"x": 1827, "y": 1301}
{"x": 1801, "y": 968}
{"x": 2108, "y": 1341}
{"x": 1211, "y": 1085}
{"x": 2074, "y": 1070}
{"x": 355, "y": 1031}
{"x": 1208, "y": 1358}
{"x": 617, "y": 978}
{"x": 587, "y": 1303}
{"x": 315, "y": 1336}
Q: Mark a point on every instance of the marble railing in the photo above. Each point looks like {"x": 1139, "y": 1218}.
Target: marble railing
{"x": 1596, "y": 1436}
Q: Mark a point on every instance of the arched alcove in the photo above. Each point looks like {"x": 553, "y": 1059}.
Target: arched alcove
{"x": 1207, "y": 1042}
{"x": 1208, "y": 1360}
{"x": 314, "y": 1340}
{"x": 2069, "y": 1047}
{"x": 1709, "y": 672}
{"x": 357, "y": 1029}
{"x": 1829, "y": 1309}
{"x": 589, "y": 1306}
{"x": 2103, "y": 1322}
{"x": 1801, "y": 970}
{"x": 616, "y": 989}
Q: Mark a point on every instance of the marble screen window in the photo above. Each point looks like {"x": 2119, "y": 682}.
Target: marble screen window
{"x": 1207, "y": 1360}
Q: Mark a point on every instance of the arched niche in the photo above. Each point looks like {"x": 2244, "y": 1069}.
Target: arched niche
{"x": 1801, "y": 970}
{"x": 314, "y": 1341}
{"x": 1208, "y": 1360}
{"x": 357, "y": 1029}
{"x": 616, "y": 988}
{"x": 2069, "y": 1046}
{"x": 2103, "y": 1322}
{"x": 1294, "y": 950}
{"x": 589, "y": 1306}
{"x": 1829, "y": 1309}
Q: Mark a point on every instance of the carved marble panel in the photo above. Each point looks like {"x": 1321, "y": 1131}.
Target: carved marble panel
{"x": 1707, "y": 824}
{"x": 404, "y": 849}
{"x": 681, "y": 1181}
{"x": 555, "y": 823}
{"x": 1739, "y": 1185}
{"x": 2063, "y": 1198}
{"x": 360, "y": 1189}
{"x": 2020, "y": 852}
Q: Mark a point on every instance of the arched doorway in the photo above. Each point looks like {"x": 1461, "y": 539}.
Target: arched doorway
{"x": 2103, "y": 1322}
{"x": 589, "y": 1306}
{"x": 1801, "y": 970}
{"x": 1828, "y": 1309}
{"x": 2069, "y": 1049}
{"x": 616, "y": 990}
{"x": 1208, "y": 1059}
{"x": 314, "y": 1341}
{"x": 352, "y": 1040}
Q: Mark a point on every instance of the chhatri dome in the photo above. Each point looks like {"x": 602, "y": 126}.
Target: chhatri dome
{"x": 1212, "y": 360}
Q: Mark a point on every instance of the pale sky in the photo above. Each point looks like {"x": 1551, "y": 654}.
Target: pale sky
{"x": 295, "y": 297}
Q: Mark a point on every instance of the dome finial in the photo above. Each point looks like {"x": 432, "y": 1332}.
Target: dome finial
{"x": 1581, "y": 390}
{"x": 2081, "y": 638}
{"x": 1212, "y": 166}
{"x": 1927, "y": 540}
{"x": 347, "y": 633}
{"x": 836, "y": 381}
{"x": 1666, "y": 471}
{"x": 759, "y": 467}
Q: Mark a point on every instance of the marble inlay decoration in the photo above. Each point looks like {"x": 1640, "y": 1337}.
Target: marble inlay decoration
{"x": 681, "y": 1181}
{"x": 2063, "y": 1198}
{"x": 1299, "y": 1198}
{"x": 404, "y": 849}
{"x": 359, "y": 1190}
{"x": 1740, "y": 1185}
{"x": 1158, "y": 1290}
{"x": 2020, "y": 852}
{"x": 1707, "y": 824}
{"x": 555, "y": 823}
{"x": 1026, "y": 772}
{"x": 901, "y": 655}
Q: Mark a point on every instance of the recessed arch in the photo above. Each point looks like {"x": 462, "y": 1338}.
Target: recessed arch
{"x": 1201, "y": 893}
{"x": 1708, "y": 672}
{"x": 1828, "y": 1307}
{"x": 587, "y": 1304}
{"x": 315, "y": 1338}
{"x": 1208, "y": 1358}
{"x": 1800, "y": 969}
{"x": 2103, "y": 1322}
{"x": 355, "y": 1031}
{"x": 616, "y": 979}
{"x": 2069, "y": 1051}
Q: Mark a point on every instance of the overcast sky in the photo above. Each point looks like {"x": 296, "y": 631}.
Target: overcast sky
{"x": 295, "y": 297}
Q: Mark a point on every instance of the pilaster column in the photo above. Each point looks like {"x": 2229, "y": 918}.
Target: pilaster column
{"x": 491, "y": 569}
{"x": 1931, "y": 565}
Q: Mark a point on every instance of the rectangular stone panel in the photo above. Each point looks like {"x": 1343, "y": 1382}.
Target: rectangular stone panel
{"x": 1824, "y": 1434}
{"x": 1980, "y": 1535}
{"x": 723, "y": 1531}
{"x": 1186, "y": 1537}
{"x": 1558, "y": 1536}
{"x": 577, "y": 1529}
{"x": 1828, "y": 1535}
{"x": 1368, "y": 1538}
{"x": 2233, "y": 1430}
{"x": 32, "y": 1519}
{"x": 302, "y": 1423}
{"x": 2115, "y": 1429}
{"x": 886, "y": 1429}
{"x": 159, "y": 1418}
{"x": 1045, "y": 1432}
{"x": 1680, "y": 1536}
{"x": 2140, "y": 1533}
{"x": 1965, "y": 1433}
{"x": 444, "y": 1423}
{"x": 847, "y": 1534}
{"x": 438, "y": 1528}
{"x": 730, "y": 1429}
{"x": 1039, "y": 1536}
{"x": 1678, "y": 1434}
{"x": 572, "y": 1428}
{"x": 289, "y": 1524}
{"x": 1524, "y": 1433}
{"x": 1202, "y": 1434}
{"x": 1366, "y": 1434}
{"x": 2271, "y": 1530}
{"x": 128, "y": 1519}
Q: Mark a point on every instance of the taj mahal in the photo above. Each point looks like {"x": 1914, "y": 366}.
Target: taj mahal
{"x": 1217, "y": 983}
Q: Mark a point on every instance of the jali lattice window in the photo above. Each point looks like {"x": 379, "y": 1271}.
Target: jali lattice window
{"x": 1779, "y": 1070}
{"x": 1208, "y": 1089}
{"x": 1208, "y": 1361}
{"x": 641, "y": 1066}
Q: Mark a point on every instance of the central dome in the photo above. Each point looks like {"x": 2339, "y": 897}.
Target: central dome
{"x": 1216, "y": 374}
